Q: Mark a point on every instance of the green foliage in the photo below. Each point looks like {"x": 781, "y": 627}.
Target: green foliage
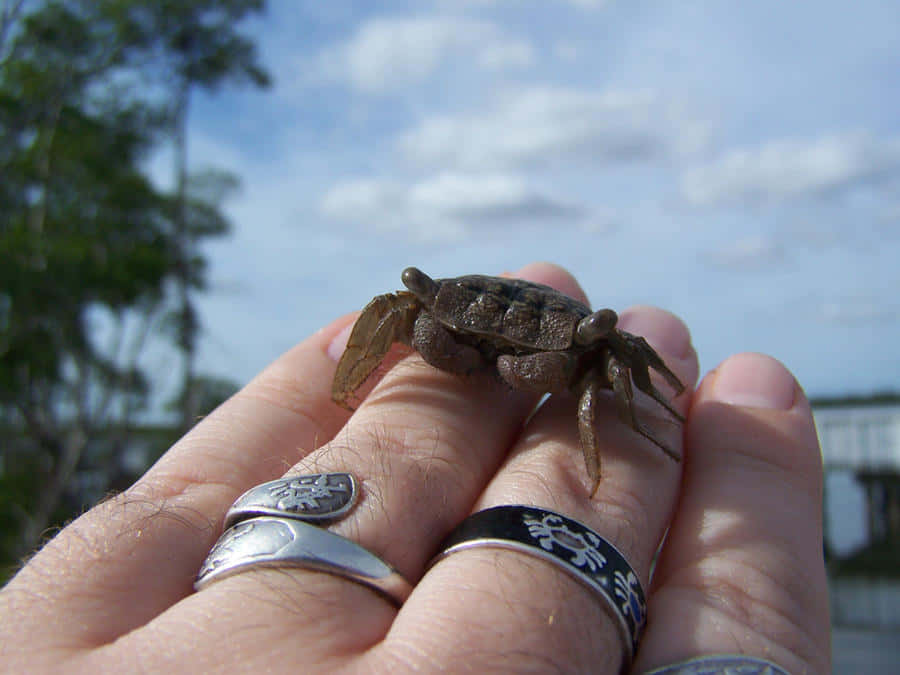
{"x": 88, "y": 89}
{"x": 79, "y": 224}
{"x": 197, "y": 41}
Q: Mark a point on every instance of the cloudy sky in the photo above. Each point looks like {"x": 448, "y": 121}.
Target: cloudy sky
{"x": 737, "y": 163}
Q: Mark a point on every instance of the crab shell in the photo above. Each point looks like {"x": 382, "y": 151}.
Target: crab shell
{"x": 527, "y": 316}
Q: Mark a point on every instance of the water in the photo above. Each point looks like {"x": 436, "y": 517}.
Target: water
{"x": 859, "y": 651}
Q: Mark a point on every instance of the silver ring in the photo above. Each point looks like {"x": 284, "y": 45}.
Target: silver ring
{"x": 738, "y": 664}
{"x": 569, "y": 544}
{"x": 317, "y": 498}
{"x": 268, "y": 541}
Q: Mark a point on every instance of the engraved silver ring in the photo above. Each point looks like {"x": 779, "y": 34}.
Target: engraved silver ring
{"x": 569, "y": 544}
{"x": 275, "y": 524}
{"x": 319, "y": 498}
{"x": 732, "y": 664}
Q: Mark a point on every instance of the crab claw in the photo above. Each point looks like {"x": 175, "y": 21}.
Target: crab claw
{"x": 387, "y": 319}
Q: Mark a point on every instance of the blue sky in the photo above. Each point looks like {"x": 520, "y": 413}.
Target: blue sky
{"x": 737, "y": 163}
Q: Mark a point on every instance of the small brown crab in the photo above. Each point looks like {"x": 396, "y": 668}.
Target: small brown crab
{"x": 534, "y": 337}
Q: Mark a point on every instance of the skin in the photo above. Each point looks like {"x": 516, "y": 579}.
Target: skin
{"x": 741, "y": 569}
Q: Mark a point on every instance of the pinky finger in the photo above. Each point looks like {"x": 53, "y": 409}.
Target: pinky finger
{"x": 742, "y": 571}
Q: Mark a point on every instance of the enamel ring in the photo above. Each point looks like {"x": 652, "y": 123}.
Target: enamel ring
{"x": 571, "y": 546}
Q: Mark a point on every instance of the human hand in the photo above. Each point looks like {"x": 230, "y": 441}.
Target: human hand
{"x": 741, "y": 570}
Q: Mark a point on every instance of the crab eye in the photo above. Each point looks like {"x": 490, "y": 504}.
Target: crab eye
{"x": 422, "y": 285}
{"x": 596, "y": 326}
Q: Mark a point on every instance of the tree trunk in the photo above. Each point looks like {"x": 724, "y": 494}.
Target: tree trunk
{"x": 187, "y": 323}
{"x": 50, "y": 495}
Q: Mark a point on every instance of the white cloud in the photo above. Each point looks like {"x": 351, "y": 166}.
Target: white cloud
{"x": 750, "y": 252}
{"x": 780, "y": 170}
{"x": 392, "y": 53}
{"x": 359, "y": 199}
{"x": 485, "y": 199}
{"x": 544, "y": 124}
{"x": 506, "y": 54}
{"x": 446, "y": 205}
{"x": 859, "y": 309}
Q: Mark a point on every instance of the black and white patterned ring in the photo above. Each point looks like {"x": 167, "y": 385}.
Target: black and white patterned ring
{"x": 569, "y": 544}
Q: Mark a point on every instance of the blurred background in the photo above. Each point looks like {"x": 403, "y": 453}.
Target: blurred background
{"x": 189, "y": 188}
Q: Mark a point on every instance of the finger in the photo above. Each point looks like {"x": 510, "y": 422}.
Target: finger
{"x": 139, "y": 551}
{"x": 504, "y": 602}
{"x": 422, "y": 446}
{"x": 742, "y": 570}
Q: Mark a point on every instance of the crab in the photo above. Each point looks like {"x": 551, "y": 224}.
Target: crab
{"x": 534, "y": 337}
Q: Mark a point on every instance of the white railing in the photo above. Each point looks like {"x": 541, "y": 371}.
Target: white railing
{"x": 860, "y": 438}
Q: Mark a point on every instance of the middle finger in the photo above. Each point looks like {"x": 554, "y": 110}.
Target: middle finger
{"x": 538, "y": 614}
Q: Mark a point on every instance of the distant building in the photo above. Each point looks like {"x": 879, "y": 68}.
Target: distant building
{"x": 865, "y": 440}
{"x": 862, "y": 437}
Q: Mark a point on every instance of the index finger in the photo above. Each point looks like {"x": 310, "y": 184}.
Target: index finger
{"x": 139, "y": 551}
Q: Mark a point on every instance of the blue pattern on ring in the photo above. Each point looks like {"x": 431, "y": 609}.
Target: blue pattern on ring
{"x": 586, "y": 549}
{"x": 570, "y": 544}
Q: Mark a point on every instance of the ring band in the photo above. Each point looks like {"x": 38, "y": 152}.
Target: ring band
{"x": 721, "y": 663}
{"x": 317, "y": 498}
{"x": 569, "y": 544}
{"x": 274, "y": 525}
{"x": 287, "y": 542}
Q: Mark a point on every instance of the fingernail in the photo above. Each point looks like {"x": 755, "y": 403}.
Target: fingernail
{"x": 339, "y": 343}
{"x": 756, "y": 381}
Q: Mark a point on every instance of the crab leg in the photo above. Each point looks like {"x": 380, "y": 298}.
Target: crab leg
{"x": 655, "y": 362}
{"x": 439, "y": 347}
{"x": 620, "y": 380}
{"x": 387, "y": 319}
{"x": 641, "y": 376}
{"x": 643, "y": 357}
{"x": 587, "y": 404}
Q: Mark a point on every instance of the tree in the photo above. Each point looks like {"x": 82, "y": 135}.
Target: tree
{"x": 198, "y": 47}
{"x": 90, "y": 247}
